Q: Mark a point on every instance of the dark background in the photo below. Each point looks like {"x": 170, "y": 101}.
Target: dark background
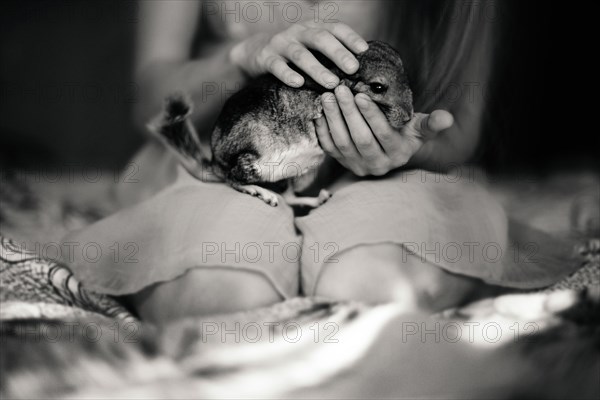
{"x": 66, "y": 90}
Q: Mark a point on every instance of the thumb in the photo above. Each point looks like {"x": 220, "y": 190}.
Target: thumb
{"x": 428, "y": 126}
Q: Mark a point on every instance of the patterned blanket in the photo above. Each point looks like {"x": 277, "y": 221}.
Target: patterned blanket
{"x": 33, "y": 287}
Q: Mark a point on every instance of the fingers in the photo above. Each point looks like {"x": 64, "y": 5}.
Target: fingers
{"x": 387, "y": 137}
{"x": 350, "y": 139}
{"x": 306, "y": 61}
{"x": 265, "y": 53}
{"x": 280, "y": 69}
{"x": 336, "y": 41}
{"x": 325, "y": 139}
{"x": 361, "y": 134}
{"x": 428, "y": 126}
{"x": 337, "y": 126}
{"x": 325, "y": 42}
{"x": 422, "y": 126}
{"x": 348, "y": 37}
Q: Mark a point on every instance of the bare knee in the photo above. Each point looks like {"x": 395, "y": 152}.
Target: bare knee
{"x": 347, "y": 284}
{"x": 367, "y": 273}
{"x": 383, "y": 273}
{"x": 204, "y": 291}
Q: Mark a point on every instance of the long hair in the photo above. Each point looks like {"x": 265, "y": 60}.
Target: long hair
{"x": 439, "y": 39}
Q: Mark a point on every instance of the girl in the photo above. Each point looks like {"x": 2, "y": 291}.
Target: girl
{"x": 395, "y": 235}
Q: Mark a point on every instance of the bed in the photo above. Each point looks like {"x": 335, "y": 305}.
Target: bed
{"x": 60, "y": 340}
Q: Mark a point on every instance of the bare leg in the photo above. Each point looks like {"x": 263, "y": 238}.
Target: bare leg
{"x": 376, "y": 274}
{"x": 204, "y": 291}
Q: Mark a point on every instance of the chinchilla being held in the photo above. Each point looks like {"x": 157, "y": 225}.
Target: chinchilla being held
{"x": 265, "y": 132}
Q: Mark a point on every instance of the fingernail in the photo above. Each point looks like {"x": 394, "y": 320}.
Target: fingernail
{"x": 319, "y": 121}
{"x": 351, "y": 63}
{"x": 342, "y": 90}
{"x": 362, "y": 46}
{"x": 295, "y": 80}
{"x": 327, "y": 99}
{"x": 330, "y": 79}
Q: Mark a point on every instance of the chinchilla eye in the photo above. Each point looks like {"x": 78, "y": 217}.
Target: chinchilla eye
{"x": 378, "y": 88}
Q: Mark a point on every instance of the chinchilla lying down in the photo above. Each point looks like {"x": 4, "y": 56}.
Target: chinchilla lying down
{"x": 265, "y": 132}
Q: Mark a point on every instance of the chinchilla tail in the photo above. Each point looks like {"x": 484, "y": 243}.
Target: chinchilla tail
{"x": 175, "y": 130}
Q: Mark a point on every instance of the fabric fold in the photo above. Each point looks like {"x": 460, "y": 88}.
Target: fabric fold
{"x": 455, "y": 224}
{"x": 186, "y": 225}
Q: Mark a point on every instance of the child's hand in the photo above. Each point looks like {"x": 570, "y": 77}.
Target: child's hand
{"x": 355, "y": 132}
{"x": 270, "y": 53}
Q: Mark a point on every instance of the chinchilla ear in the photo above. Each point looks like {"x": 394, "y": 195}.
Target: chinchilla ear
{"x": 175, "y": 130}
